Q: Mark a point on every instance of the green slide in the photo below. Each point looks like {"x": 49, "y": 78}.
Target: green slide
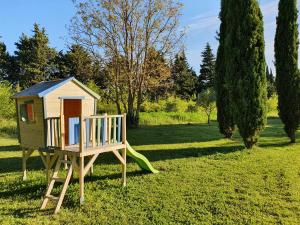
{"x": 141, "y": 160}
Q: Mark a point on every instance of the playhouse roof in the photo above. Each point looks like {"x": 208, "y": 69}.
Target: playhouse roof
{"x": 43, "y": 88}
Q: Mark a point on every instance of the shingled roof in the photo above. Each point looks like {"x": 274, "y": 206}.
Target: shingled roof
{"x": 43, "y": 88}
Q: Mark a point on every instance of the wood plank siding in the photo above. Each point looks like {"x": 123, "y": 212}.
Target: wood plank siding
{"x": 70, "y": 89}
{"x": 32, "y": 133}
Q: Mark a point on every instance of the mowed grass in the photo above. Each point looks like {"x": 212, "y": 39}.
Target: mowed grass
{"x": 204, "y": 179}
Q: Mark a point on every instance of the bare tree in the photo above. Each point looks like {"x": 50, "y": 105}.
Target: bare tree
{"x": 122, "y": 32}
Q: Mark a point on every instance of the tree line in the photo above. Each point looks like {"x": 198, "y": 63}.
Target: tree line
{"x": 131, "y": 50}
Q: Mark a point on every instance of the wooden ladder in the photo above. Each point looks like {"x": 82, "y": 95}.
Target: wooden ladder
{"x": 54, "y": 179}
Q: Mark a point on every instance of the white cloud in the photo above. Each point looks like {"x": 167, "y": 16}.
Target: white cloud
{"x": 203, "y": 21}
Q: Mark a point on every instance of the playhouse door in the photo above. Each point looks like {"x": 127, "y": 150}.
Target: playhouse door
{"x": 72, "y": 111}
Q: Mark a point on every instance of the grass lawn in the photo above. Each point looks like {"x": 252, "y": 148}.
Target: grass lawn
{"x": 204, "y": 179}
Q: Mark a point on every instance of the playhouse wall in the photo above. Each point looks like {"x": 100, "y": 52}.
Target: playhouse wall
{"x": 31, "y": 134}
{"x": 70, "y": 89}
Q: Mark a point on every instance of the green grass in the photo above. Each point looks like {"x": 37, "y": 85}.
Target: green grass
{"x": 165, "y": 118}
{"x": 204, "y": 179}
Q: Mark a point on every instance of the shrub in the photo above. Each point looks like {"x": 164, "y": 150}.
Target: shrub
{"x": 192, "y": 108}
{"x": 272, "y": 106}
{"x": 152, "y": 107}
{"x": 106, "y": 107}
{"x": 7, "y": 106}
{"x": 171, "y": 107}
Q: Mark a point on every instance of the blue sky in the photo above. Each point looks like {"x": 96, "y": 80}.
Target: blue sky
{"x": 200, "y": 17}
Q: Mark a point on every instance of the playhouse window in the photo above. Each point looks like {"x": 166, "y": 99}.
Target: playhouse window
{"x": 27, "y": 112}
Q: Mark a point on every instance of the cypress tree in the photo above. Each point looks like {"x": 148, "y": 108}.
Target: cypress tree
{"x": 270, "y": 82}
{"x": 206, "y": 78}
{"x": 224, "y": 106}
{"x": 244, "y": 52}
{"x": 286, "y": 61}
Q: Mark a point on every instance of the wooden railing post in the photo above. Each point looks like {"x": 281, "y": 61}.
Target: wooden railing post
{"x": 105, "y": 134}
{"x": 109, "y": 130}
{"x": 124, "y": 129}
{"x": 99, "y": 130}
{"x": 115, "y": 130}
{"x": 93, "y": 125}
{"x": 62, "y": 125}
{"x": 81, "y": 137}
{"x": 81, "y": 158}
{"x": 124, "y": 149}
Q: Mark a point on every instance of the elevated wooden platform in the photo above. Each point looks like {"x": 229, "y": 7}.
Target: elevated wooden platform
{"x": 75, "y": 150}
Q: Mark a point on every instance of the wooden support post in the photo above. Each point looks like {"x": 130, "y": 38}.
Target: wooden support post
{"x": 124, "y": 150}
{"x": 81, "y": 179}
{"x": 92, "y": 167}
{"x": 62, "y": 130}
{"x": 48, "y": 143}
{"x": 24, "y": 159}
{"x": 81, "y": 158}
{"x": 25, "y": 155}
{"x": 93, "y": 133}
{"x": 48, "y": 168}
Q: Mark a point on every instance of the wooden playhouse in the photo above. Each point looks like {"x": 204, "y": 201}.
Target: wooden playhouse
{"x": 58, "y": 118}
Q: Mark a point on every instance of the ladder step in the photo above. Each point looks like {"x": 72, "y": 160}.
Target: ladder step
{"x": 58, "y": 179}
{"x": 51, "y": 197}
{"x": 66, "y": 161}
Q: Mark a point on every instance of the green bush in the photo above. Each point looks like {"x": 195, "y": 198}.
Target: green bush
{"x": 152, "y": 106}
{"x": 7, "y": 105}
{"x": 192, "y": 108}
{"x": 171, "y": 107}
{"x": 170, "y": 104}
{"x": 8, "y": 127}
{"x": 106, "y": 107}
{"x": 272, "y": 104}
{"x": 173, "y": 104}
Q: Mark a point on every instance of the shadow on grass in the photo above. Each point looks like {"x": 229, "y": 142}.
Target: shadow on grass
{"x": 173, "y": 134}
{"x": 160, "y": 155}
{"x": 10, "y": 148}
{"x": 170, "y": 154}
{"x": 14, "y": 164}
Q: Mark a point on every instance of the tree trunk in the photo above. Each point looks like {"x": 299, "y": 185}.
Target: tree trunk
{"x": 138, "y": 108}
{"x": 118, "y": 107}
{"x": 292, "y": 136}
{"x": 131, "y": 115}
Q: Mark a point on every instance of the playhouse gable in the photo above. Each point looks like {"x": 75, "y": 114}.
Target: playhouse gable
{"x": 69, "y": 90}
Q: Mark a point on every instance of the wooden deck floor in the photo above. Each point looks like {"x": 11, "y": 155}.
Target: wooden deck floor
{"x": 74, "y": 149}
